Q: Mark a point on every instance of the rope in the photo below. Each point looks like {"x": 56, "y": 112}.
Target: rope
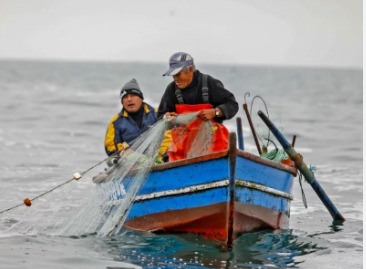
{"x": 77, "y": 176}
{"x": 276, "y": 155}
{"x": 302, "y": 191}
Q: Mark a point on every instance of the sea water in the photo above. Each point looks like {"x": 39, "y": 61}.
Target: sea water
{"x": 53, "y": 118}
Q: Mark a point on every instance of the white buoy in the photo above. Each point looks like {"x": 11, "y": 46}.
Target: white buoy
{"x": 77, "y": 176}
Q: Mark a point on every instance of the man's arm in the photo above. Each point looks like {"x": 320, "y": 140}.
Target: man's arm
{"x": 223, "y": 99}
{"x": 167, "y": 103}
{"x": 109, "y": 140}
{"x": 112, "y": 140}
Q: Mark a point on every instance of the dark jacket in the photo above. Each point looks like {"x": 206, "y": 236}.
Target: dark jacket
{"x": 192, "y": 94}
{"x": 122, "y": 128}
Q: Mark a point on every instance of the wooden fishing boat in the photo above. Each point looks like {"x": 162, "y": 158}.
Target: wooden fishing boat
{"x": 219, "y": 196}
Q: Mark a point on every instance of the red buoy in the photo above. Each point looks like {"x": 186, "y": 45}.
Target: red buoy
{"x": 27, "y": 202}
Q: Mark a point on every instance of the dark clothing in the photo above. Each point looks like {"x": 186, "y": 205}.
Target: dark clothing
{"x": 192, "y": 94}
{"x": 138, "y": 116}
{"x": 124, "y": 128}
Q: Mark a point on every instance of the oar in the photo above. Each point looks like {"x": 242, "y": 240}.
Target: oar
{"x": 301, "y": 165}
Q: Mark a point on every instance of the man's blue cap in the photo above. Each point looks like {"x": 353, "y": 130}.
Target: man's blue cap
{"x": 177, "y": 62}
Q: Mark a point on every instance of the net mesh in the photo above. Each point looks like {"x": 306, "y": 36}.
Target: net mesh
{"x": 115, "y": 196}
{"x": 102, "y": 208}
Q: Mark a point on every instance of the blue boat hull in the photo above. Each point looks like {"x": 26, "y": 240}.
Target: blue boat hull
{"x": 218, "y": 196}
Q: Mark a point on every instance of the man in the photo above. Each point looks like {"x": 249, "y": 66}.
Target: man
{"x": 134, "y": 119}
{"x": 192, "y": 91}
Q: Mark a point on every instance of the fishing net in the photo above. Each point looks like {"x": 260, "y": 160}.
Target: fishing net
{"x": 108, "y": 209}
{"x": 192, "y": 137}
{"x": 106, "y": 204}
{"x": 102, "y": 208}
{"x": 203, "y": 140}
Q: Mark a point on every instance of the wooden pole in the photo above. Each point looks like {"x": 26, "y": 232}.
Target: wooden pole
{"x": 301, "y": 165}
{"x": 245, "y": 106}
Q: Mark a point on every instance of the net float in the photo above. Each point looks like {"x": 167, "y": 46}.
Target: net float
{"x": 27, "y": 202}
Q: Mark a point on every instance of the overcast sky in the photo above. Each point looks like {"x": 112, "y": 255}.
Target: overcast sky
{"x": 260, "y": 32}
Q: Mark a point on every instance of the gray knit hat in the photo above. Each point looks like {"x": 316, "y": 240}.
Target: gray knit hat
{"x": 131, "y": 87}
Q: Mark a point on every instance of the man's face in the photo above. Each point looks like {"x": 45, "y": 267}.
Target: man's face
{"x": 131, "y": 103}
{"x": 183, "y": 78}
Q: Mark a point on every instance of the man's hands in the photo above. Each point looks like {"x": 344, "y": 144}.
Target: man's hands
{"x": 206, "y": 114}
{"x": 170, "y": 114}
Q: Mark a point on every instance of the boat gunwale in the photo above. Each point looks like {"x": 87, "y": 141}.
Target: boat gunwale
{"x": 224, "y": 153}
{"x": 258, "y": 159}
{"x": 212, "y": 156}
